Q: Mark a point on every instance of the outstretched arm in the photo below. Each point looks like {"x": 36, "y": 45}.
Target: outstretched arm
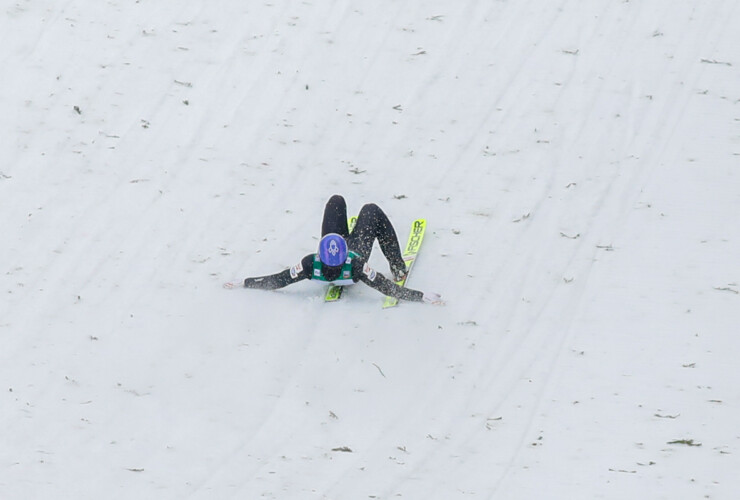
{"x": 390, "y": 288}
{"x": 270, "y": 282}
{"x": 299, "y": 272}
{"x": 385, "y": 286}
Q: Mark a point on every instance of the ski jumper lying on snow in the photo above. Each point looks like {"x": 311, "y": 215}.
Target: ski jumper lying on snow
{"x": 343, "y": 257}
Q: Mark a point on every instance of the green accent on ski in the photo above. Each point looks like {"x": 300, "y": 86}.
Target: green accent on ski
{"x": 334, "y": 292}
{"x": 416, "y": 236}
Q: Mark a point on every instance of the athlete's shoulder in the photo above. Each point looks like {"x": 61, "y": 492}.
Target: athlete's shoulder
{"x": 354, "y": 257}
{"x": 303, "y": 268}
{"x": 357, "y": 261}
{"x": 362, "y": 270}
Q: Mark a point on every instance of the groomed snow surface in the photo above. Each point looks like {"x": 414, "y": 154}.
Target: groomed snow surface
{"x": 579, "y": 166}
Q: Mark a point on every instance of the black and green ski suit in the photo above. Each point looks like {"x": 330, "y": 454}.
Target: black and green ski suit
{"x": 372, "y": 224}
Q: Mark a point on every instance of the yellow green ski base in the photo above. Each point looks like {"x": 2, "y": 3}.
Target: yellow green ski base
{"x": 418, "y": 228}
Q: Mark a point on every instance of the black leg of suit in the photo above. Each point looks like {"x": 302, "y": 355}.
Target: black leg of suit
{"x": 372, "y": 224}
{"x": 335, "y": 217}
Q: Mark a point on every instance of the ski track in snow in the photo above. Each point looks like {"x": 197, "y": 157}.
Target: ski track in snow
{"x": 577, "y": 166}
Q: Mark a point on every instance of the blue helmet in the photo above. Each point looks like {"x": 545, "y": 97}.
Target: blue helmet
{"x": 333, "y": 250}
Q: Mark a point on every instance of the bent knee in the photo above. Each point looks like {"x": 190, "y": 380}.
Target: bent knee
{"x": 371, "y": 208}
{"x": 336, "y": 199}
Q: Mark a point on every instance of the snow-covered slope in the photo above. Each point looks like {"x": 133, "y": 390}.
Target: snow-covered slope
{"x": 577, "y": 163}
